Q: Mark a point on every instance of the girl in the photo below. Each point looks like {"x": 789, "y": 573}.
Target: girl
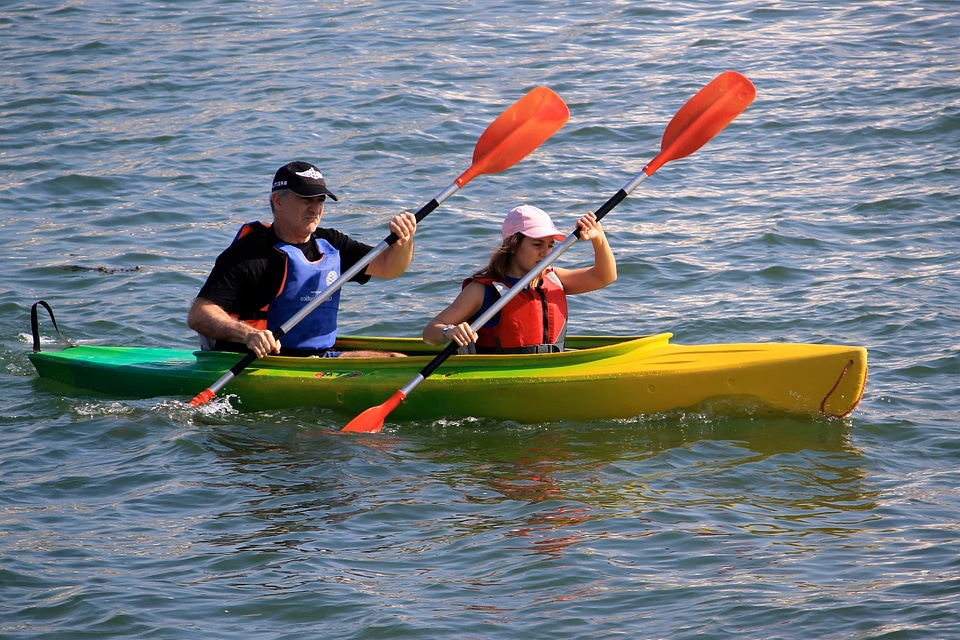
{"x": 534, "y": 321}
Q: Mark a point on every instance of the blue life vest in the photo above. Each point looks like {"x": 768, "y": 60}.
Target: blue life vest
{"x": 303, "y": 281}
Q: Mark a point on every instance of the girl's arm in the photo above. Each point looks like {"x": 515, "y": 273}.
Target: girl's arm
{"x": 457, "y": 314}
{"x": 604, "y": 269}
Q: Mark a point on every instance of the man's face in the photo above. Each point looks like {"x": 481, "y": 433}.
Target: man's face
{"x": 296, "y": 217}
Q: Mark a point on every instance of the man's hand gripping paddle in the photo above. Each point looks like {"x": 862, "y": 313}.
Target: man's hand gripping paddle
{"x": 515, "y": 133}
{"x": 700, "y": 119}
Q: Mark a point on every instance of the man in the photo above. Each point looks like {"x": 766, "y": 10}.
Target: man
{"x": 271, "y": 271}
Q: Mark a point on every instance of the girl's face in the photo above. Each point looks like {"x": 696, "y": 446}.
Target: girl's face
{"x": 529, "y": 254}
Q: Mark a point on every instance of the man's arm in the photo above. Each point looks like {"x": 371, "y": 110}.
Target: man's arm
{"x": 211, "y": 320}
{"x": 395, "y": 260}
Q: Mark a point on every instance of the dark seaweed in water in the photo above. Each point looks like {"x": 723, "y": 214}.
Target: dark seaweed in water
{"x": 101, "y": 269}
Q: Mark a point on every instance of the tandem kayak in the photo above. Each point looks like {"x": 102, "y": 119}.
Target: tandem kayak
{"x": 598, "y": 378}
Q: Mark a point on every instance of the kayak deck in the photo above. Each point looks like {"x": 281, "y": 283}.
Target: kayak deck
{"x": 603, "y": 378}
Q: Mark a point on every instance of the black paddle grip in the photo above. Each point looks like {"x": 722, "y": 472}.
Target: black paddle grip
{"x": 243, "y": 364}
{"x": 614, "y": 200}
{"x": 424, "y": 211}
{"x": 439, "y": 359}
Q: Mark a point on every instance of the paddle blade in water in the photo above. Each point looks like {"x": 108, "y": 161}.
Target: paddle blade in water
{"x": 371, "y": 420}
{"x": 519, "y": 130}
{"x": 704, "y": 116}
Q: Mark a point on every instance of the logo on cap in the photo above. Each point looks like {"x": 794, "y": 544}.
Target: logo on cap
{"x": 310, "y": 173}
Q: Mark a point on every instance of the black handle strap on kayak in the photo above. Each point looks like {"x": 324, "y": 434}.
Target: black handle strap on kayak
{"x": 35, "y": 325}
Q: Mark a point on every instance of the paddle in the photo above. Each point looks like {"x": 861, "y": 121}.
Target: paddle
{"x": 697, "y": 121}
{"x": 515, "y": 133}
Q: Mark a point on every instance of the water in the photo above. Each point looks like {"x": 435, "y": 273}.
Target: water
{"x": 135, "y": 139}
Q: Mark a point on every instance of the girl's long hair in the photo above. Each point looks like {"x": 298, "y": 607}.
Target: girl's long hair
{"x": 497, "y": 267}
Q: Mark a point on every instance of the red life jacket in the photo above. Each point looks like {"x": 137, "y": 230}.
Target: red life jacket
{"x": 534, "y": 321}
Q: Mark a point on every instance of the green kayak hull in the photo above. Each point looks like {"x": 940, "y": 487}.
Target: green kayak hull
{"x": 599, "y": 378}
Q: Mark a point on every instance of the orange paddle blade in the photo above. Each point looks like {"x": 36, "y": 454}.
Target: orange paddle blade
{"x": 371, "y": 420}
{"x": 520, "y": 129}
{"x": 704, "y": 116}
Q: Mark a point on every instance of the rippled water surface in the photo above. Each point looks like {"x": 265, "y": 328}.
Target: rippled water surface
{"x": 135, "y": 138}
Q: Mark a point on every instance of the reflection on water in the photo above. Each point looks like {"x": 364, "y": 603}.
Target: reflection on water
{"x": 657, "y": 469}
{"x": 549, "y": 486}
